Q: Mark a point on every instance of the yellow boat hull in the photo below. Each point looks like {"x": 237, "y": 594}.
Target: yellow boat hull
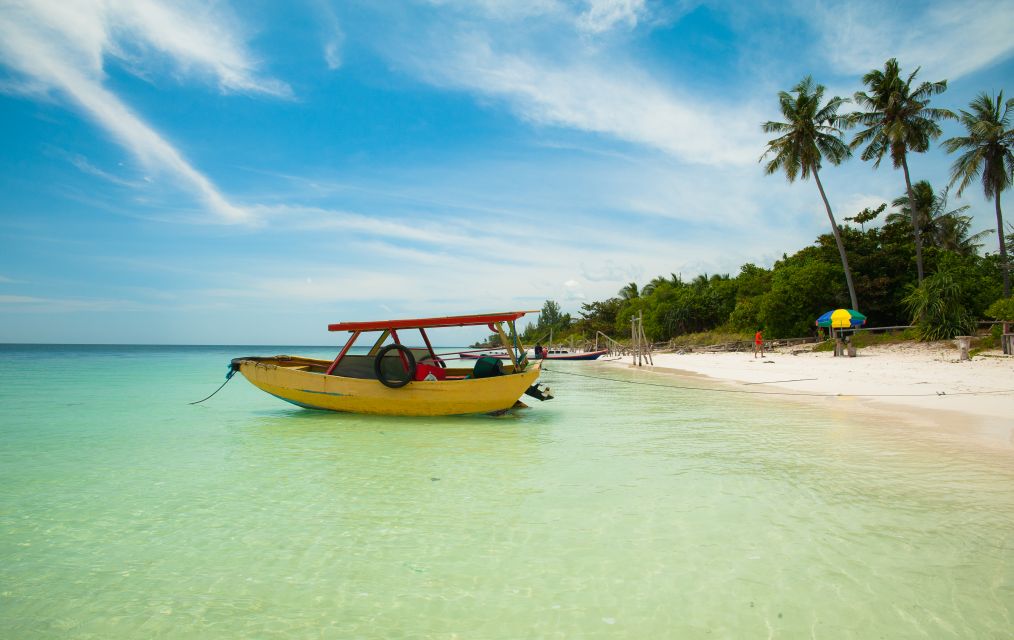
{"x": 295, "y": 380}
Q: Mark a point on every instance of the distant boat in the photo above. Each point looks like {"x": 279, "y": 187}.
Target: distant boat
{"x": 567, "y": 354}
{"x": 393, "y": 379}
{"x": 549, "y": 354}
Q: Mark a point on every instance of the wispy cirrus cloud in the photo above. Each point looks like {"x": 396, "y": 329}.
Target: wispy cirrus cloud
{"x": 561, "y": 78}
{"x": 59, "y": 305}
{"x": 603, "y": 15}
{"x": 62, "y": 47}
{"x": 625, "y": 103}
{"x": 948, "y": 40}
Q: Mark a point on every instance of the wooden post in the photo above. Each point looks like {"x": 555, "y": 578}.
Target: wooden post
{"x": 633, "y": 340}
{"x": 644, "y": 339}
{"x": 963, "y": 343}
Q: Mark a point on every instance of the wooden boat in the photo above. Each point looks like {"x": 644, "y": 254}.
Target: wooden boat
{"x": 392, "y": 379}
{"x": 548, "y": 354}
{"x": 566, "y": 354}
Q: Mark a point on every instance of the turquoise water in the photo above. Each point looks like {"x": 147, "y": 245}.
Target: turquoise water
{"x": 614, "y": 511}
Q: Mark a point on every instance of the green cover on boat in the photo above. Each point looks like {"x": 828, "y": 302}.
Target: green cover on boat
{"x": 487, "y": 367}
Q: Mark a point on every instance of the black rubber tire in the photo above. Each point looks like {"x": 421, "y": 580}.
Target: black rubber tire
{"x": 394, "y": 384}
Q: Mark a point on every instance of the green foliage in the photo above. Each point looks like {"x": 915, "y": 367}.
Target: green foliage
{"x": 746, "y": 315}
{"x": 897, "y": 116}
{"x": 868, "y": 214}
{"x": 949, "y": 230}
{"x": 937, "y": 309}
{"x": 677, "y": 308}
{"x": 988, "y": 147}
{"x": 1002, "y": 309}
{"x": 810, "y": 134}
{"x": 550, "y": 319}
{"x": 799, "y": 293}
{"x": 628, "y": 309}
{"x": 598, "y": 316}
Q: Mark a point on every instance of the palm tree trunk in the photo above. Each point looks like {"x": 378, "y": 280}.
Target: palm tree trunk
{"x": 915, "y": 219}
{"x": 1003, "y": 246}
{"x": 837, "y": 239}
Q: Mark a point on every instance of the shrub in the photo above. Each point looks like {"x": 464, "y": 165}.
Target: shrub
{"x": 1002, "y": 309}
{"x": 937, "y": 309}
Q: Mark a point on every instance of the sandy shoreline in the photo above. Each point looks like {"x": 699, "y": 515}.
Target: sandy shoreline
{"x": 924, "y": 381}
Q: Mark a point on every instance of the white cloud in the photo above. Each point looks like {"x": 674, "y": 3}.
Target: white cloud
{"x": 603, "y": 15}
{"x": 59, "y": 305}
{"x": 334, "y": 37}
{"x": 62, "y": 46}
{"x": 614, "y": 99}
{"x": 347, "y": 222}
{"x": 87, "y": 167}
{"x": 506, "y": 10}
{"x": 948, "y": 40}
{"x": 593, "y": 17}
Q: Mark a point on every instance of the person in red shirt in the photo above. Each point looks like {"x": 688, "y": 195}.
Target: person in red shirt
{"x": 758, "y": 344}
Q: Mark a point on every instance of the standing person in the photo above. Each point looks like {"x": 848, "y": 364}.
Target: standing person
{"x": 538, "y": 351}
{"x": 758, "y": 344}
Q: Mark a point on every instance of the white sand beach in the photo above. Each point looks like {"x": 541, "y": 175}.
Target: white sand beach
{"x": 925, "y": 381}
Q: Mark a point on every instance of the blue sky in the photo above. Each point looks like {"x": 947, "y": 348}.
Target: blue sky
{"x": 177, "y": 172}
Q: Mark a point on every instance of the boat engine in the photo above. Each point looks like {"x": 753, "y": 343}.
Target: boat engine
{"x": 539, "y": 392}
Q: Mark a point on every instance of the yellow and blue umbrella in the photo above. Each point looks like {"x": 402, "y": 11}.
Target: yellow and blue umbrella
{"x": 841, "y": 319}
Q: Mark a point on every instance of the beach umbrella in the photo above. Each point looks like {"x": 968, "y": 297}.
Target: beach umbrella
{"x": 841, "y": 319}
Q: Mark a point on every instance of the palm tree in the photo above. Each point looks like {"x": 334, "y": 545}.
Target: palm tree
{"x": 948, "y": 230}
{"x": 989, "y": 155}
{"x": 810, "y": 134}
{"x": 654, "y": 284}
{"x": 897, "y": 120}
{"x": 629, "y": 292}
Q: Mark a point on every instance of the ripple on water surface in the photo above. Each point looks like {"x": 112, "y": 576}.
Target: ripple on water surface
{"x": 612, "y": 511}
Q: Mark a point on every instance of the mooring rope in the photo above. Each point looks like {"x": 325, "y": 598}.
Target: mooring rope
{"x": 228, "y": 377}
{"x": 785, "y": 393}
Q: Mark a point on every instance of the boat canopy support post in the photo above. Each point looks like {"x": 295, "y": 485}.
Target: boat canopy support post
{"x": 379, "y": 343}
{"x": 506, "y": 344}
{"x": 428, "y": 345}
{"x": 522, "y": 352}
{"x": 345, "y": 350}
{"x": 404, "y": 360}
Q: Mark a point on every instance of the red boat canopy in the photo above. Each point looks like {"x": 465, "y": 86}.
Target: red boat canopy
{"x": 426, "y": 323}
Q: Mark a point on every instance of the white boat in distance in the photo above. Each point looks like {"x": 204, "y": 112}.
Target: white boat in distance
{"x": 547, "y": 354}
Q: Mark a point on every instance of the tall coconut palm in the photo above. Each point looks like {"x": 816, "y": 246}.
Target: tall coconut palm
{"x": 988, "y": 155}
{"x": 897, "y": 120}
{"x": 810, "y": 134}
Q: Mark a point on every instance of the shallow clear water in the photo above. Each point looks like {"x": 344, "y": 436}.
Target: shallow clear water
{"x": 614, "y": 511}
